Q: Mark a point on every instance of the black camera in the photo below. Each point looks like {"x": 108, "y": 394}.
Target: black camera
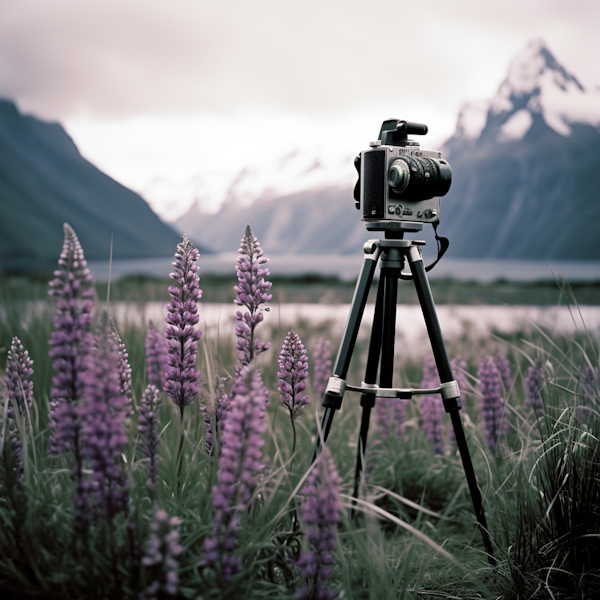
{"x": 399, "y": 185}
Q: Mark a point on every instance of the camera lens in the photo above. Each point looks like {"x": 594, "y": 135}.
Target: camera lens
{"x": 399, "y": 176}
{"x": 419, "y": 178}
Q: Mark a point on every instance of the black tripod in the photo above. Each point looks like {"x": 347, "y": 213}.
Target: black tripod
{"x": 392, "y": 254}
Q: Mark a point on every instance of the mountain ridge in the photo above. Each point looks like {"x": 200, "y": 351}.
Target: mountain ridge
{"x": 529, "y": 192}
{"x": 44, "y": 182}
{"x": 526, "y": 175}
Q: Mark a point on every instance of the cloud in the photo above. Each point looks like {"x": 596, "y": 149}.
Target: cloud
{"x": 116, "y": 59}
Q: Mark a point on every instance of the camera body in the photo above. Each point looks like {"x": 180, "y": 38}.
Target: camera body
{"x": 399, "y": 184}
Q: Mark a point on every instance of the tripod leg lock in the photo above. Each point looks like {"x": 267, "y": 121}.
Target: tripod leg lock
{"x": 334, "y": 393}
{"x": 451, "y": 396}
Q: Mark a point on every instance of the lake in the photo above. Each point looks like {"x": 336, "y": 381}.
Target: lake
{"x": 456, "y": 321}
{"x": 348, "y": 267}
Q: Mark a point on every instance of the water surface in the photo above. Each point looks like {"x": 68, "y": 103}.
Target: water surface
{"x": 348, "y": 267}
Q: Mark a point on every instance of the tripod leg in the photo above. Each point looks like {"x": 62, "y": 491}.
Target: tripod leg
{"x": 384, "y": 334}
{"x": 342, "y": 362}
{"x": 367, "y": 401}
{"x": 452, "y": 405}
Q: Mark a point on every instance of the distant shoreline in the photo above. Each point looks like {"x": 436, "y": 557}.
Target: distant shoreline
{"x": 347, "y": 268}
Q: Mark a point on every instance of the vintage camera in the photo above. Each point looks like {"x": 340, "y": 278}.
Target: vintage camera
{"x": 399, "y": 185}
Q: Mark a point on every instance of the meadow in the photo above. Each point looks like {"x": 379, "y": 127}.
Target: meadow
{"x": 183, "y": 468}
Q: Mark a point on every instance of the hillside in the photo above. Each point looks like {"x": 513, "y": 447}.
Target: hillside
{"x": 44, "y": 182}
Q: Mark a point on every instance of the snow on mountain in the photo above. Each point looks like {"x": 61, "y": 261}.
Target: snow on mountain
{"x": 535, "y": 84}
{"x": 526, "y": 175}
{"x": 526, "y": 167}
{"x": 292, "y": 172}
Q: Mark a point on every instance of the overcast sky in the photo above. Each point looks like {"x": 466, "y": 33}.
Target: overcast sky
{"x": 149, "y": 88}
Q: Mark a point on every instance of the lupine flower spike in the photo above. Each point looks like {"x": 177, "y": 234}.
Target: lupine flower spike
{"x": 70, "y": 342}
{"x": 160, "y": 558}
{"x": 124, "y": 368}
{"x": 239, "y": 466}
{"x": 495, "y": 422}
{"x": 321, "y": 515}
{"x": 20, "y": 396}
{"x": 293, "y": 371}
{"x": 19, "y": 368}
{"x": 157, "y": 356}
{"x": 148, "y": 428}
{"x": 391, "y": 416}
{"x": 252, "y": 292}
{"x": 103, "y": 436}
{"x": 504, "y": 367}
{"x": 432, "y": 407}
{"x": 534, "y": 382}
{"x": 182, "y": 316}
{"x": 181, "y": 380}
{"x": 322, "y": 366}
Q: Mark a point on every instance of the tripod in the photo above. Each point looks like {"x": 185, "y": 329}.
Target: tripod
{"x": 392, "y": 254}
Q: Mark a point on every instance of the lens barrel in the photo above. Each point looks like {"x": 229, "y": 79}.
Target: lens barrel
{"x": 419, "y": 178}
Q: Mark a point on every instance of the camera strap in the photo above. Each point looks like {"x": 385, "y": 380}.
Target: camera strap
{"x": 442, "y": 244}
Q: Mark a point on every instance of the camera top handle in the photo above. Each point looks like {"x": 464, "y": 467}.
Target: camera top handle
{"x": 394, "y": 132}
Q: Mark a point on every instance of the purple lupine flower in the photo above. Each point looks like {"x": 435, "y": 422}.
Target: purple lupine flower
{"x": 588, "y": 380}
{"x": 432, "y": 407}
{"x": 148, "y": 428}
{"x": 492, "y": 402}
{"x": 157, "y": 356}
{"x": 66, "y": 430}
{"x": 252, "y": 292}
{"x": 239, "y": 466}
{"x": 160, "y": 557}
{"x": 20, "y": 396}
{"x": 103, "y": 437}
{"x": 124, "y": 369}
{"x": 391, "y": 416}
{"x": 18, "y": 371}
{"x": 322, "y": 366}
{"x": 293, "y": 371}
{"x": 71, "y": 341}
{"x": 182, "y": 378}
{"x": 17, "y": 447}
{"x": 534, "y": 382}
{"x": 503, "y": 365}
{"x": 321, "y": 514}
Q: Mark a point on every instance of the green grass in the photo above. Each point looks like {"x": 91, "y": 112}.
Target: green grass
{"x": 541, "y": 493}
{"x": 319, "y": 288}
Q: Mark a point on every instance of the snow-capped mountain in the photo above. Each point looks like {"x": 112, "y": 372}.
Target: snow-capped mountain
{"x": 292, "y": 172}
{"x": 526, "y": 167}
{"x": 536, "y": 84}
{"x": 526, "y": 180}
